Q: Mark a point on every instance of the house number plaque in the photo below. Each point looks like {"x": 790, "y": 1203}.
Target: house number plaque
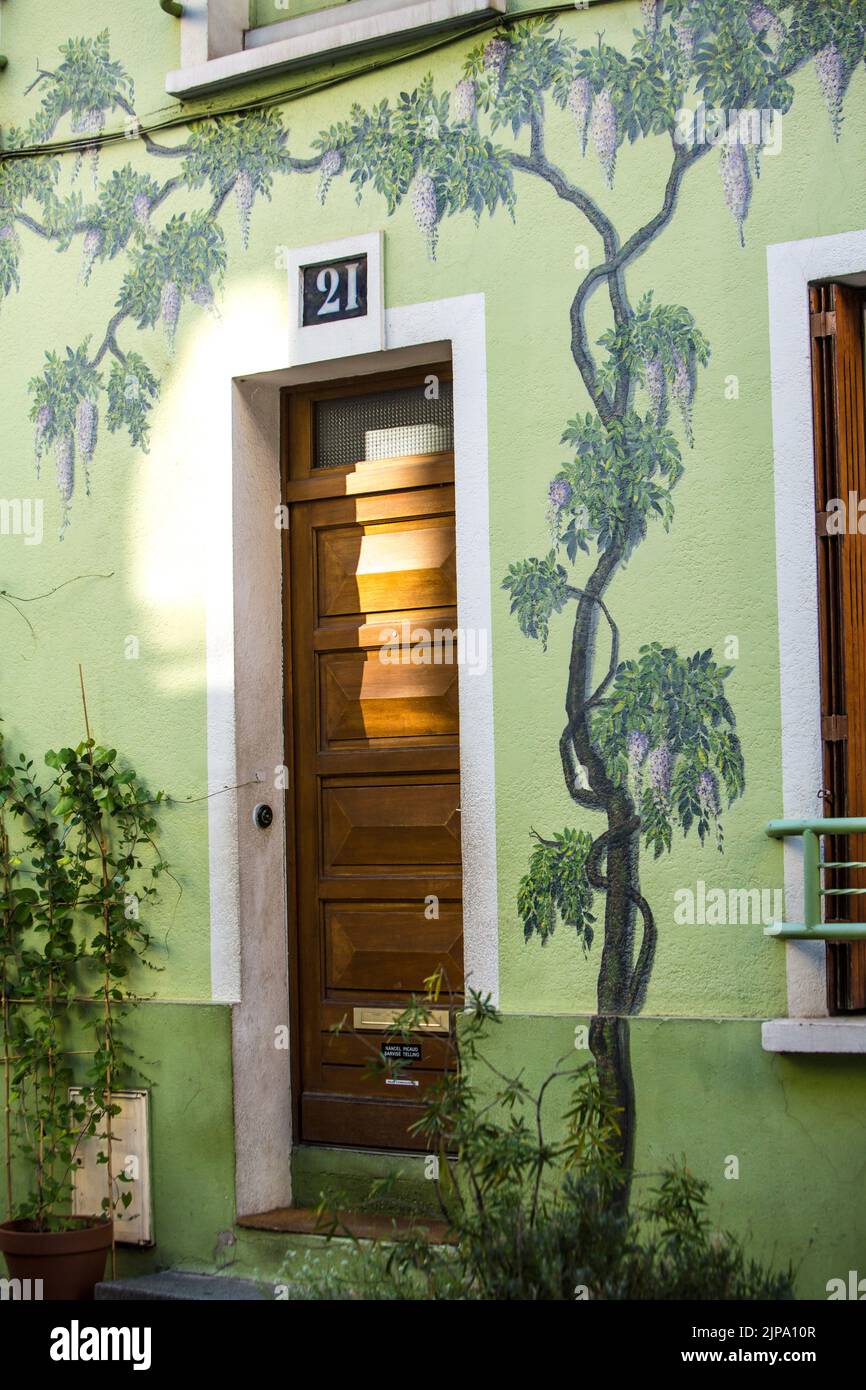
{"x": 334, "y": 290}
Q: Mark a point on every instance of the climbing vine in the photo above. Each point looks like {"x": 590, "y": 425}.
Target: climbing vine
{"x": 79, "y": 868}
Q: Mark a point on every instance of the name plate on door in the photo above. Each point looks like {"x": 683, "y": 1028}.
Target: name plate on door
{"x": 334, "y": 291}
{"x": 401, "y": 1052}
{"x": 336, "y": 299}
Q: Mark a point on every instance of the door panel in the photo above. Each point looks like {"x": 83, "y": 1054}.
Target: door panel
{"x": 377, "y": 792}
{"x": 369, "y": 568}
{"x": 366, "y": 702}
{"x": 391, "y": 824}
{"x": 371, "y": 942}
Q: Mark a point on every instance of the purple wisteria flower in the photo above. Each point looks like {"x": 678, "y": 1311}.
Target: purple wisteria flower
{"x": 558, "y": 497}
{"x": 736, "y": 183}
{"x": 494, "y": 59}
{"x": 656, "y": 385}
{"x": 579, "y": 103}
{"x": 762, "y": 20}
{"x": 830, "y": 68}
{"x": 708, "y": 793}
{"x": 660, "y": 769}
{"x": 332, "y": 163}
{"x": 686, "y": 38}
{"x": 464, "y": 101}
{"x": 603, "y": 130}
{"x": 637, "y": 747}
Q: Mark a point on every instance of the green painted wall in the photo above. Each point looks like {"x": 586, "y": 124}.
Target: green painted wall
{"x": 707, "y": 1091}
{"x": 703, "y": 1083}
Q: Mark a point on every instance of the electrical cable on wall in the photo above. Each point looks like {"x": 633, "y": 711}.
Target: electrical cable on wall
{"x": 179, "y": 119}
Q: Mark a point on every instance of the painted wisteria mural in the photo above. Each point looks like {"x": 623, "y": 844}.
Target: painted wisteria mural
{"x": 648, "y": 746}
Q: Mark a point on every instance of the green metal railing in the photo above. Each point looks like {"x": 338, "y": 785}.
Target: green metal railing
{"x": 814, "y": 928}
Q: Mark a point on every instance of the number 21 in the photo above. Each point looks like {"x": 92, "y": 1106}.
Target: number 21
{"x": 328, "y": 284}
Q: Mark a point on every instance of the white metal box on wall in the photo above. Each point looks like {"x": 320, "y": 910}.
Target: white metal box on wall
{"x": 131, "y": 1156}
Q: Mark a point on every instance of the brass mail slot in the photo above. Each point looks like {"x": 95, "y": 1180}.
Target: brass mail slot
{"x": 381, "y": 1020}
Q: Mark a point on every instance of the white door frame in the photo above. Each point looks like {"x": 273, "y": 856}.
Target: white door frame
{"x": 249, "y": 958}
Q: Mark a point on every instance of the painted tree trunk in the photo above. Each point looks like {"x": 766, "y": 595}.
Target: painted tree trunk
{"x": 619, "y": 847}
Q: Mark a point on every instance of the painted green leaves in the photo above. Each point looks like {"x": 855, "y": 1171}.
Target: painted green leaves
{"x": 512, "y": 70}
{"x": 121, "y": 214}
{"x": 10, "y": 249}
{"x": 427, "y": 148}
{"x": 240, "y": 154}
{"x": 556, "y": 887}
{"x": 65, "y": 416}
{"x": 667, "y": 731}
{"x": 86, "y": 85}
{"x": 833, "y": 32}
{"x": 538, "y": 589}
{"x": 661, "y": 347}
{"x": 182, "y": 261}
{"x": 621, "y": 474}
{"x": 132, "y": 390}
{"x": 65, "y": 412}
{"x": 21, "y": 179}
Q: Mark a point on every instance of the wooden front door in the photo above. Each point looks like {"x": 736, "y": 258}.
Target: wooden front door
{"x": 374, "y": 726}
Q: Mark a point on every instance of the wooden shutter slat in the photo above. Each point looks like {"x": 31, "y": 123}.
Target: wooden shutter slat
{"x": 839, "y": 417}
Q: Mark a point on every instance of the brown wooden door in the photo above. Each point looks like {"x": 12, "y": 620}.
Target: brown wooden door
{"x": 376, "y": 777}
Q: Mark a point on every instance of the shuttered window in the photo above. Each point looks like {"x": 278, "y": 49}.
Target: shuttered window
{"x": 839, "y": 417}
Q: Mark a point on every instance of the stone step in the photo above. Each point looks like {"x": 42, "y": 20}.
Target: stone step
{"x": 360, "y": 1225}
{"x": 174, "y": 1286}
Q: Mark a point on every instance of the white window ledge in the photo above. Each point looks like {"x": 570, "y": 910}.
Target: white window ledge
{"x": 325, "y": 34}
{"x": 814, "y": 1035}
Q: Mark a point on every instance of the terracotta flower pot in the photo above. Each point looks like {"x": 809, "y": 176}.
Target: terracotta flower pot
{"x": 69, "y": 1263}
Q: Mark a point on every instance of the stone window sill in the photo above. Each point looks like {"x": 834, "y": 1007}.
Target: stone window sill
{"x": 815, "y": 1035}
{"x": 325, "y": 34}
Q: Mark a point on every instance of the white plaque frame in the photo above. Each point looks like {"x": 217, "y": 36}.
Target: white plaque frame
{"x": 321, "y": 342}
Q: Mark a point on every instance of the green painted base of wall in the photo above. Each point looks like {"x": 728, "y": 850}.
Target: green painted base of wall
{"x": 705, "y": 1090}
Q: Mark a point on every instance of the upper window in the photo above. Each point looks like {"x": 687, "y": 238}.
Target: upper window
{"x": 265, "y": 12}
{"x": 224, "y": 42}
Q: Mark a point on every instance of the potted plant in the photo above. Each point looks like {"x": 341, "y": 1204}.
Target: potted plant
{"x": 78, "y": 868}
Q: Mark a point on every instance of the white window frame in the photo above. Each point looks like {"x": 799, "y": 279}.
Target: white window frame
{"x": 791, "y": 267}
{"x": 219, "y": 49}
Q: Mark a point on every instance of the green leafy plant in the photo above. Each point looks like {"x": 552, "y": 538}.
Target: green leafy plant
{"x": 530, "y": 1216}
{"x": 72, "y": 893}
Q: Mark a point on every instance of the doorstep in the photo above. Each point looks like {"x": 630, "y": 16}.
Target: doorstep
{"x": 381, "y": 1181}
{"x": 356, "y": 1225}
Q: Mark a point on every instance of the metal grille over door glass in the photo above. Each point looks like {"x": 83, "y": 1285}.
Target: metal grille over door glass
{"x": 383, "y": 425}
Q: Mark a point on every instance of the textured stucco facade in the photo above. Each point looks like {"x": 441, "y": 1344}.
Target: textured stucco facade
{"x": 153, "y": 530}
